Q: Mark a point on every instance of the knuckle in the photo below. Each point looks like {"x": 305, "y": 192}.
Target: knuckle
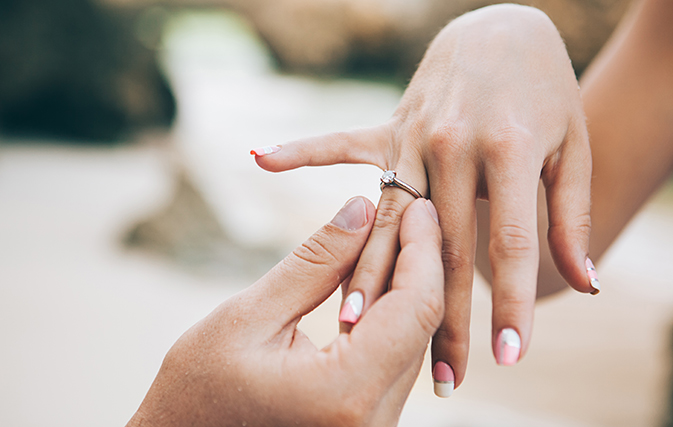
{"x": 371, "y": 273}
{"x": 455, "y": 338}
{"x": 509, "y": 143}
{"x": 512, "y": 241}
{"x": 417, "y": 128}
{"x": 449, "y": 139}
{"x": 583, "y": 226}
{"x": 578, "y": 230}
{"x": 314, "y": 252}
{"x": 514, "y": 304}
{"x": 351, "y": 407}
{"x": 342, "y": 137}
{"x": 455, "y": 258}
{"x": 353, "y": 413}
{"x": 389, "y": 214}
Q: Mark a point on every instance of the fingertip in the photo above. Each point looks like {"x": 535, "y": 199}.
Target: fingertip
{"x": 593, "y": 277}
{"x": 444, "y": 379}
{"x": 265, "y": 151}
{"x": 508, "y": 347}
{"x": 353, "y": 215}
{"x": 269, "y": 159}
{"x": 352, "y": 308}
{"x": 570, "y": 257}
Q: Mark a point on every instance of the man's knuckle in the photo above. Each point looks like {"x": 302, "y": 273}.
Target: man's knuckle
{"x": 315, "y": 252}
{"x": 353, "y": 412}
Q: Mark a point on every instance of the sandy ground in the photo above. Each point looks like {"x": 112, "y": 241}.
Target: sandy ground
{"x": 85, "y": 322}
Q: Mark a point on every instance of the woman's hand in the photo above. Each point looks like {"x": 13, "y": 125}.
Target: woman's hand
{"x": 493, "y": 107}
{"x": 248, "y": 364}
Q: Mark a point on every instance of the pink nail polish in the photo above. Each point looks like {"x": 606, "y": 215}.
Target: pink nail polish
{"x": 352, "y": 309}
{"x": 508, "y": 347}
{"x": 444, "y": 379}
{"x": 593, "y": 277}
{"x": 265, "y": 150}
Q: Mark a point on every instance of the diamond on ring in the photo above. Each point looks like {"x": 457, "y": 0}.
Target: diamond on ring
{"x": 389, "y": 179}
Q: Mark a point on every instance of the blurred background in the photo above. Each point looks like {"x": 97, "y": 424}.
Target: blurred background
{"x": 130, "y": 206}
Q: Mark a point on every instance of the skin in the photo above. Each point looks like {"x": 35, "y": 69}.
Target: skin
{"x": 493, "y": 108}
{"x": 248, "y": 364}
{"x": 225, "y": 370}
{"x": 628, "y": 98}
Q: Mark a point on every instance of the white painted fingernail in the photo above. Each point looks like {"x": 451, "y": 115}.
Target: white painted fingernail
{"x": 508, "y": 347}
{"x": 352, "y": 309}
{"x": 444, "y": 379}
{"x": 593, "y": 277}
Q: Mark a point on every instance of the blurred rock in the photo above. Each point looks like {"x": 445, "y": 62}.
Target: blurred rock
{"x": 227, "y": 215}
{"x": 232, "y": 99}
{"x": 389, "y": 36}
{"x": 383, "y": 35}
{"x": 188, "y": 232}
{"x": 74, "y": 70}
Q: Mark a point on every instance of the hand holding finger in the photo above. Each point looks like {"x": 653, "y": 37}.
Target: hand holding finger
{"x": 398, "y": 325}
{"x": 375, "y": 266}
{"x": 290, "y": 289}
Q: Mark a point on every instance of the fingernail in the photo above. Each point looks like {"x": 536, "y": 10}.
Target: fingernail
{"x": 593, "y": 277}
{"x": 265, "y": 150}
{"x": 442, "y": 374}
{"x": 508, "y": 347}
{"x": 352, "y": 309}
{"x": 432, "y": 210}
{"x": 352, "y": 216}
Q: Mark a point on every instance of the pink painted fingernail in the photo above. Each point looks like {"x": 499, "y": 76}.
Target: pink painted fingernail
{"x": 352, "y": 309}
{"x": 432, "y": 210}
{"x": 508, "y": 347}
{"x": 265, "y": 150}
{"x": 442, "y": 374}
{"x": 593, "y": 277}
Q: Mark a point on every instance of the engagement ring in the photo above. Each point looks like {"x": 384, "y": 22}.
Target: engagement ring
{"x": 389, "y": 179}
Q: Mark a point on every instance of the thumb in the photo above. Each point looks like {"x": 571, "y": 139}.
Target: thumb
{"x": 313, "y": 271}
